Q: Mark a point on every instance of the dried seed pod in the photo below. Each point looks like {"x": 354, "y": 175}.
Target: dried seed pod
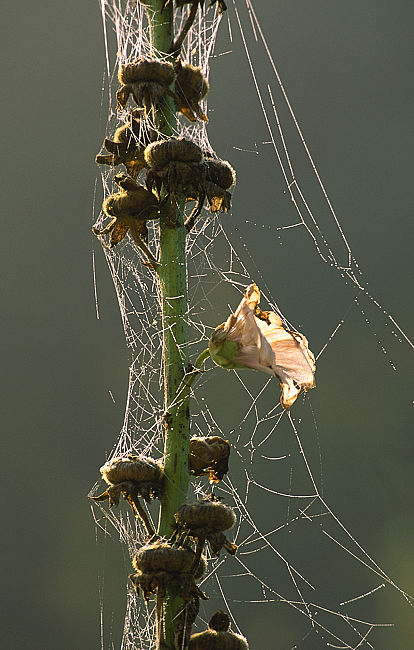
{"x": 163, "y": 557}
{"x": 130, "y": 209}
{"x": 139, "y": 203}
{"x": 146, "y": 70}
{"x": 146, "y": 80}
{"x": 159, "y": 565}
{"x": 159, "y": 154}
{"x": 219, "y": 175}
{"x": 191, "y": 86}
{"x": 207, "y": 514}
{"x": 219, "y": 200}
{"x": 127, "y": 146}
{"x": 209, "y": 456}
{"x": 132, "y": 476}
{"x": 175, "y": 163}
{"x": 205, "y": 521}
{"x": 220, "y": 172}
{"x": 218, "y": 636}
{"x": 131, "y": 468}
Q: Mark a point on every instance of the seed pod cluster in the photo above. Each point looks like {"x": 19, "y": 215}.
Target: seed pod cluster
{"x": 176, "y": 166}
{"x": 209, "y": 456}
{"x": 218, "y": 636}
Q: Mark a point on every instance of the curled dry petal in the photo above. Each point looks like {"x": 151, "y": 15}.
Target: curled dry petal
{"x": 254, "y": 339}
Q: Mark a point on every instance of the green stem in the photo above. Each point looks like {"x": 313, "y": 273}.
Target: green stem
{"x": 161, "y": 25}
{"x": 187, "y": 381}
{"x": 172, "y": 274}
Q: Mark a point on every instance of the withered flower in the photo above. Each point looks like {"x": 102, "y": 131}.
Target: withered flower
{"x": 127, "y": 145}
{"x": 206, "y": 520}
{"x": 255, "y": 339}
{"x": 209, "y": 456}
{"x": 191, "y": 87}
{"x": 161, "y": 566}
{"x": 130, "y": 209}
{"x": 147, "y": 80}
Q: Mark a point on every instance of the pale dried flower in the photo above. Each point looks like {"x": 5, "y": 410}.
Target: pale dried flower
{"x": 251, "y": 338}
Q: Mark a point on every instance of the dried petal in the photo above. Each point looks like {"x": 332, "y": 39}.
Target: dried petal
{"x": 254, "y": 339}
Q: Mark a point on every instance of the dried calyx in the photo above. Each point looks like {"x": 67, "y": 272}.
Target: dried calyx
{"x": 128, "y": 145}
{"x": 174, "y": 163}
{"x": 218, "y": 636}
{"x": 130, "y": 209}
{"x": 178, "y": 165}
{"x": 160, "y": 565}
{"x": 162, "y": 556}
{"x": 209, "y": 456}
{"x": 132, "y": 476}
{"x": 191, "y": 87}
{"x": 147, "y": 80}
{"x": 220, "y": 176}
{"x": 143, "y": 473}
{"x": 205, "y": 521}
{"x": 220, "y": 172}
{"x": 209, "y": 514}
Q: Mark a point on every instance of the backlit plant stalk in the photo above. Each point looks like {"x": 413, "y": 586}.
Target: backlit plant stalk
{"x": 172, "y": 273}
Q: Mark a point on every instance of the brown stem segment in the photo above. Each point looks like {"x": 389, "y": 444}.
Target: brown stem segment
{"x": 176, "y": 46}
{"x": 140, "y": 512}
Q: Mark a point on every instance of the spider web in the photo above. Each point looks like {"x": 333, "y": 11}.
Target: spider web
{"x": 294, "y": 555}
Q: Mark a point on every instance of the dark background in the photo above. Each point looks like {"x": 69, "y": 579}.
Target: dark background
{"x": 348, "y": 68}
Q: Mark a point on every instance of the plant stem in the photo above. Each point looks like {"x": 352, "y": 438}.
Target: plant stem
{"x": 187, "y": 381}
{"x": 172, "y": 274}
{"x": 173, "y": 282}
{"x": 161, "y": 25}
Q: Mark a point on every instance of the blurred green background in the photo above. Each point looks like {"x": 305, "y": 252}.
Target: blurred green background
{"x": 348, "y": 69}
